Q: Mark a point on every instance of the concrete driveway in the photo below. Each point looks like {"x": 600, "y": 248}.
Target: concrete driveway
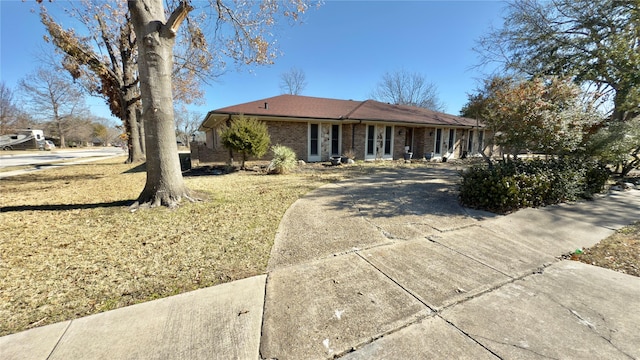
{"x": 389, "y": 267}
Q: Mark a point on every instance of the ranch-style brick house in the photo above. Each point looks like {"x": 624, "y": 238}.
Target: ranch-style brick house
{"x": 320, "y": 128}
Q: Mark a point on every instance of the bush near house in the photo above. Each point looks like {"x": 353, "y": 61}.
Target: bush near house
{"x": 511, "y": 185}
{"x": 247, "y": 136}
{"x": 284, "y": 160}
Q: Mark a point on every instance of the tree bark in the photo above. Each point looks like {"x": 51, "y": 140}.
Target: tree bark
{"x": 135, "y": 150}
{"x": 58, "y": 123}
{"x": 143, "y": 144}
{"x": 155, "y": 40}
{"x": 129, "y": 105}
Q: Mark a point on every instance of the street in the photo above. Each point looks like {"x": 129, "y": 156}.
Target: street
{"x": 47, "y": 157}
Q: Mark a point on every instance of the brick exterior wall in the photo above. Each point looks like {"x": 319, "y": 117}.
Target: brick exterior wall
{"x": 360, "y": 131}
{"x": 290, "y": 134}
{"x": 347, "y": 131}
{"x": 295, "y": 136}
{"x": 398, "y": 142}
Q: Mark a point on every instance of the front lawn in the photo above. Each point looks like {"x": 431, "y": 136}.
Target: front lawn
{"x": 69, "y": 246}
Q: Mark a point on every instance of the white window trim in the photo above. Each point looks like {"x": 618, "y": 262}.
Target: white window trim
{"x": 339, "y": 139}
{"x": 391, "y": 143}
{"x": 375, "y": 154}
{"x": 318, "y": 157}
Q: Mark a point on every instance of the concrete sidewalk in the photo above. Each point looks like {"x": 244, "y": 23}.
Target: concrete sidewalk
{"x": 392, "y": 267}
{"x": 220, "y": 322}
{"x": 389, "y": 266}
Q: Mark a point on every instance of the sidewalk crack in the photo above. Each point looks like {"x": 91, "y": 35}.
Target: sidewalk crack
{"x": 59, "y": 340}
{"x": 432, "y": 309}
{"x": 434, "y": 240}
{"x": 590, "y": 326}
{"x": 470, "y": 337}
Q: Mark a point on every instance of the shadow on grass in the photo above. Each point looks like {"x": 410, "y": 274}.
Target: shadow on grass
{"x": 64, "y": 207}
{"x": 46, "y": 178}
{"x": 214, "y": 170}
{"x": 196, "y": 171}
{"x": 138, "y": 169}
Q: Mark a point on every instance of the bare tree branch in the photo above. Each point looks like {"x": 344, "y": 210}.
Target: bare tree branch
{"x": 293, "y": 81}
{"x": 405, "y": 88}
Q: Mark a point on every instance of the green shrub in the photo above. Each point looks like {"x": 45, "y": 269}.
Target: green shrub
{"x": 596, "y": 178}
{"x": 246, "y": 135}
{"x": 284, "y": 159}
{"x": 508, "y": 186}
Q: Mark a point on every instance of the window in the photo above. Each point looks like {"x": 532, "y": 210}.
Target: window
{"x": 470, "y": 144}
{"x": 480, "y": 141}
{"x": 438, "y": 141}
{"x": 371, "y": 134}
{"x": 335, "y": 139}
{"x": 452, "y": 135}
{"x": 388, "y": 133}
{"x": 313, "y": 139}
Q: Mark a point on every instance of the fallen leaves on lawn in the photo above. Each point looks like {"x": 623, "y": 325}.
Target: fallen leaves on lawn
{"x": 619, "y": 252}
{"x": 69, "y": 247}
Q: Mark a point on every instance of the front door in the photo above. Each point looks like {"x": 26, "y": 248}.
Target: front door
{"x": 378, "y": 142}
{"x": 370, "y": 146}
{"x": 336, "y": 137}
{"x": 451, "y": 141}
{"x": 408, "y": 140}
{"x": 445, "y": 142}
{"x": 437, "y": 146}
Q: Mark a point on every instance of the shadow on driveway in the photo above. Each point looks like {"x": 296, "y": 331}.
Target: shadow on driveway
{"x": 390, "y": 194}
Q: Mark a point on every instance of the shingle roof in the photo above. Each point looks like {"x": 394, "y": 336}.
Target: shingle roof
{"x": 295, "y": 106}
{"x": 375, "y": 110}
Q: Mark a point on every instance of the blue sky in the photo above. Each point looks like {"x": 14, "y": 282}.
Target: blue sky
{"x": 344, "y": 48}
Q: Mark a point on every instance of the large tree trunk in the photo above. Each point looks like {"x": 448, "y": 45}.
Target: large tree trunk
{"x": 63, "y": 143}
{"x": 134, "y": 119}
{"x": 58, "y": 124}
{"x": 130, "y": 106}
{"x": 155, "y": 40}
{"x": 143, "y": 144}
{"x": 135, "y": 150}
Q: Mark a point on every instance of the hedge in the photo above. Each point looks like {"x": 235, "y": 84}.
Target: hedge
{"x": 510, "y": 185}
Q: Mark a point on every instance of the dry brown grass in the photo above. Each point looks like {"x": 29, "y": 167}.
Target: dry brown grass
{"x": 69, "y": 246}
{"x": 619, "y": 252}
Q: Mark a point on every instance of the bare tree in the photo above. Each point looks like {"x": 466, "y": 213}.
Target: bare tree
{"x": 8, "y": 109}
{"x": 113, "y": 77}
{"x": 187, "y": 123}
{"x": 407, "y": 88}
{"x": 242, "y": 31}
{"x": 54, "y": 98}
{"x": 79, "y": 130}
{"x": 22, "y": 120}
{"x": 247, "y": 39}
{"x": 293, "y": 81}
